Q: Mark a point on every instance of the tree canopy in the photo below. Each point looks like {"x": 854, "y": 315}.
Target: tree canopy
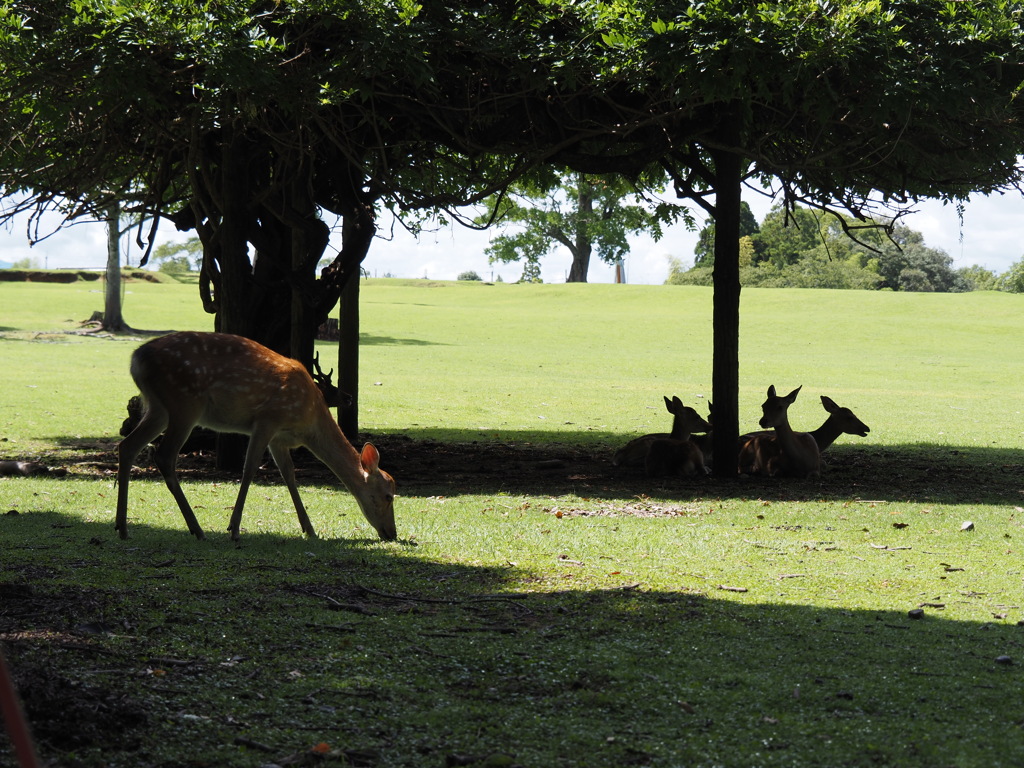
{"x": 804, "y": 248}
{"x": 251, "y": 122}
{"x": 587, "y": 215}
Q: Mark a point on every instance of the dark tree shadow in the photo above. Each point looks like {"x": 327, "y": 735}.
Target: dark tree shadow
{"x": 435, "y": 462}
{"x": 284, "y": 630}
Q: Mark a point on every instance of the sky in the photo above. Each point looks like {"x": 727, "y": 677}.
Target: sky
{"x": 990, "y": 235}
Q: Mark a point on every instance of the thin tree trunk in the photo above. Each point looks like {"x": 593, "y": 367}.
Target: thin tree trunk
{"x": 300, "y": 343}
{"x": 584, "y": 247}
{"x": 357, "y": 234}
{"x": 348, "y": 351}
{"x": 726, "y": 313}
{"x": 113, "y": 320}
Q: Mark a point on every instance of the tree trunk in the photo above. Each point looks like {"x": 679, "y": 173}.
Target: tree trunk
{"x": 726, "y": 313}
{"x": 584, "y": 247}
{"x": 235, "y": 288}
{"x": 234, "y": 291}
{"x": 113, "y": 320}
{"x": 301, "y": 341}
{"x": 348, "y": 357}
{"x": 358, "y": 228}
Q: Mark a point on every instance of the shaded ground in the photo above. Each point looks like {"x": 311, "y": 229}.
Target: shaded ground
{"x": 68, "y": 714}
{"x": 429, "y": 467}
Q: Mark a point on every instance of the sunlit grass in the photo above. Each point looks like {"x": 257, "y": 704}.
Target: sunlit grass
{"x": 744, "y": 623}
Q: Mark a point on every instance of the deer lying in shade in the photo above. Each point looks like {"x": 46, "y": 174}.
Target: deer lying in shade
{"x": 761, "y": 453}
{"x": 667, "y": 453}
{"x": 232, "y": 384}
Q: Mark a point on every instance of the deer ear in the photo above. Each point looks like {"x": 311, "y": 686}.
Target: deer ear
{"x": 676, "y": 401}
{"x": 668, "y": 403}
{"x": 369, "y": 458}
{"x": 828, "y": 404}
{"x": 792, "y": 395}
{"x": 771, "y": 390}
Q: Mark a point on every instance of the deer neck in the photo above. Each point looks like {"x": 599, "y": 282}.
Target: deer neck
{"x": 328, "y": 443}
{"x": 799, "y": 448}
{"x": 827, "y": 433}
{"x": 787, "y": 439}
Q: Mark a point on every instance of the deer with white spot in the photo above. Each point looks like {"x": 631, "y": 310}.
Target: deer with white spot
{"x": 233, "y": 384}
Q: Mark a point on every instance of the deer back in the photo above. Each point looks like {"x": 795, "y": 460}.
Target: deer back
{"x": 230, "y": 388}
{"x": 668, "y": 456}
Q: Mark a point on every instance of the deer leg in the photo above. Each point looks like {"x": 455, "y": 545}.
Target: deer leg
{"x": 253, "y": 456}
{"x": 283, "y": 458}
{"x": 166, "y": 459}
{"x": 147, "y": 430}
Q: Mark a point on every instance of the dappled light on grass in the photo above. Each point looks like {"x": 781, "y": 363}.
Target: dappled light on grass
{"x": 541, "y": 604}
{"x": 401, "y": 652}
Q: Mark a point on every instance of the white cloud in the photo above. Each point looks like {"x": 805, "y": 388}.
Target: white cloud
{"x": 989, "y": 236}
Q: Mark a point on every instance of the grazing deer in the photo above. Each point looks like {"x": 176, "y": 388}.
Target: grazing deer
{"x": 686, "y": 421}
{"x": 233, "y": 384}
{"x": 760, "y": 451}
{"x": 795, "y": 453}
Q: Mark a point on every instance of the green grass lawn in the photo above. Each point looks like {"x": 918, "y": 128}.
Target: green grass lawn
{"x": 587, "y": 617}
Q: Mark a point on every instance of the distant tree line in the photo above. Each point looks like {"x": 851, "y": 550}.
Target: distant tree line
{"x": 805, "y": 248}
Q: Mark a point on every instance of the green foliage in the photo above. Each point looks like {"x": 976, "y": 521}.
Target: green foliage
{"x": 680, "y": 274}
{"x": 704, "y": 251}
{"x": 531, "y": 272}
{"x": 979, "y": 278}
{"x": 584, "y": 214}
{"x": 29, "y": 262}
{"x": 469, "y": 275}
{"x": 784, "y": 235}
{"x": 805, "y": 248}
{"x": 175, "y": 265}
{"x": 178, "y": 256}
{"x": 1013, "y": 280}
{"x": 906, "y": 264}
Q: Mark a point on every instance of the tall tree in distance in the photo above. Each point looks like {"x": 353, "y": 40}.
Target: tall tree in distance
{"x": 587, "y": 215}
{"x": 704, "y": 251}
{"x": 113, "y": 319}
